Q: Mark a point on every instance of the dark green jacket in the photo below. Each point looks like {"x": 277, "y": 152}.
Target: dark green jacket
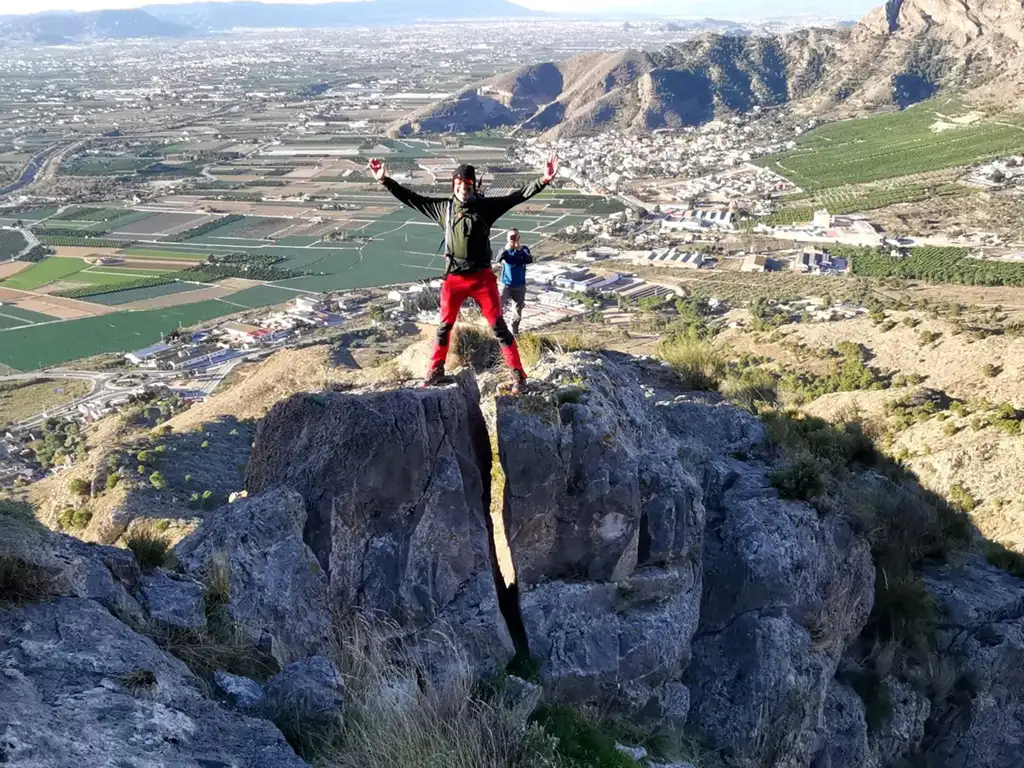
{"x": 468, "y": 248}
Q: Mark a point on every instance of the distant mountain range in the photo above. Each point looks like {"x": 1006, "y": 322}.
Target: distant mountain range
{"x": 199, "y": 18}
{"x": 898, "y": 54}
{"x": 60, "y": 28}
{"x": 213, "y": 17}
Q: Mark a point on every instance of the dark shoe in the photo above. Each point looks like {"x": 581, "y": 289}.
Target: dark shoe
{"x": 518, "y": 382}
{"x": 433, "y": 377}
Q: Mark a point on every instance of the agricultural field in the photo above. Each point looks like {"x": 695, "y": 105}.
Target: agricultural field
{"x": 936, "y": 265}
{"x": 887, "y": 146}
{"x": 108, "y": 283}
{"x": 12, "y": 242}
{"x": 29, "y": 348}
{"x": 46, "y": 271}
{"x": 158, "y": 253}
{"x": 16, "y": 317}
{"x": 69, "y": 241}
{"x": 851, "y": 199}
{"x": 84, "y": 213}
{"x": 129, "y": 295}
{"x": 162, "y": 224}
{"x": 21, "y": 400}
{"x": 262, "y": 296}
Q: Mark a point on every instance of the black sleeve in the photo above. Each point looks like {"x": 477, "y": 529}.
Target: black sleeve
{"x": 431, "y": 207}
{"x": 498, "y": 206}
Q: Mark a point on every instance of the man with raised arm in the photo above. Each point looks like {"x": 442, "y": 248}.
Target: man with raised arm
{"x": 466, "y": 218}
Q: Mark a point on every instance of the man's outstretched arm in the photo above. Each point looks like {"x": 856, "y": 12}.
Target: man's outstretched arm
{"x": 499, "y": 206}
{"x": 431, "y": 207}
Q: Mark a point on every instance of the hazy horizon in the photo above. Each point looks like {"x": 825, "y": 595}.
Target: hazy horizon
{"x": 730, "y": 9}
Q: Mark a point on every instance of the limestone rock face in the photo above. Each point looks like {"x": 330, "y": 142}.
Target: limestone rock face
{"x": 78, "y": 688}
{"x": 276, "y": 588}
{"x": 981, "y": 723}
{"x": 393, "y": 487}
{"x": 605, "y": 527}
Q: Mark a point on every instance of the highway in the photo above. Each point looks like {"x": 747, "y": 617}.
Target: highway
{"x": 35, "y": 165}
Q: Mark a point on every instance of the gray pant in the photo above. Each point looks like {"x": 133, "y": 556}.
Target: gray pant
{"x": 517, "y": 295}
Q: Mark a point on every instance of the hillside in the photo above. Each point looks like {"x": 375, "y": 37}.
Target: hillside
{"x": 899, "y": 54}
{"x": 60, "y": 28}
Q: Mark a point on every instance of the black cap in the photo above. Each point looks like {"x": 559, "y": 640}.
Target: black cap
{"x": 464, "y": 172}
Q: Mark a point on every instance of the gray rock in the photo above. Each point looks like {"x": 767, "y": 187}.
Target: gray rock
{"x": 605, "y": 528}
{"x": 276, "y": 588}
{"x": 75, "y": 568}
{"x": 845, "y": 736}
{"x": 173, "y": 601}
{"x": 522, "y": 696}
{"x": 981, "y": 721}
{"x": 79, "y": 688}
{"x": 758, "y": 688}
{"x": 671, "y": 765}
{"x": 621, "y": 644}
{"x": 593, "y": 488}
{"x": 901, "y": 735}
{"x": 785, "y": 591}
{"x": 310, "y": 692}
{"x": 393, "y": 484}
{"x": 242, "y": 692}
{"x": 637, "y": 753}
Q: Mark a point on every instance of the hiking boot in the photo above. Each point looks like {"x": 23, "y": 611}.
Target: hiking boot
{"x": 433, "y": 377}
{"x": 518, "y": 381}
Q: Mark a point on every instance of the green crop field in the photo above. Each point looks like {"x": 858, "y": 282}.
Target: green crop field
{"x": 90, "y": 278}
{"x": 157, "y": 253}
{"x": 11, "y": 243}
{"x": 46, "y": 271}
{"x": 936, "y": 265}
{"x": 841, "y": 200}
{"x": 891, "y": 145}
{"x": 145, "y": 270}
{"x": 25, "y": 315}
{"x": 36, "y": 214}
{"x": 27, "y": 349}
{"x": 261, "y": 296}
{"x": 80, "y": 242}
{"x": 127, "y": 296}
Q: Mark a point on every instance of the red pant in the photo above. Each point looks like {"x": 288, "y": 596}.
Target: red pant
{"x": 482, "y": 286}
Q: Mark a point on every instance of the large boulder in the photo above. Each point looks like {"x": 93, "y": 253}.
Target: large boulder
{"x": 276, "y": 589}
{"x": 173, "y": 601}
{"x": 79, "y": 688}
{"x": 605, "y": 527}
{"x": 396, "y": 501}
{"x": 786, "y": 589}
{"x": 981, "y": 721}
{"x": 73, "y": 568}
{"x": 310, "y": 692}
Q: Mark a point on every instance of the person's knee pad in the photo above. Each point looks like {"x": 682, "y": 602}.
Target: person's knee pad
{"x": 503, "y": 334}
{"x": 444, "y": 333}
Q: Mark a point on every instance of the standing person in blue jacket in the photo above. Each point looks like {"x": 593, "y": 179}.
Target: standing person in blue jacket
{"x": 513, "y": 262}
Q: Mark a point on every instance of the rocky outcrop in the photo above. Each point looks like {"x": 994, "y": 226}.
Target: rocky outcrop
{"x": 786, "y": 590}
{"x": 605, "y": 527}
{"x": 276, "y": 589}
{"x": 980, "y": 722}
{"x": 393, "y": 486}
{"x": 78, "y": 688}
{"x": 310, "y": 692}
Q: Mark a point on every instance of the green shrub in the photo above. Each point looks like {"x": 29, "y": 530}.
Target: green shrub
{"x": 533, "y": 346}
{"x": 112, "y": 480}
{"x": 80, "y": 486}
{"x": 82, "y": 518}
{"x": 205, "y": 444}
{"x": 803, "y": 479}
{"x": 157, "y": 481}
{"x": 962, "y": 498}
{"x": 21, "y": 511}
{"x": 144, "y": 457}
{"x": 581, "y": 744}
{"x": 22, "y": 582}
{"x": 475, "y": 347}
{"x": 950, "y": 428}
{"x": 990, "y": 371}
{"x": 150, "y": 549}
{"x": 699, "y": 365}
{"x": 1007, "y": 559}
{"x": 160, "y": 449}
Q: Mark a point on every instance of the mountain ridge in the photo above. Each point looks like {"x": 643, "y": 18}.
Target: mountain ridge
{"x": 64, "y": 27}
{"x": 898, "y": 54}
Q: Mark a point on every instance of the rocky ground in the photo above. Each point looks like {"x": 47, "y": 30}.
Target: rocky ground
{"x": 668, "y": 569}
